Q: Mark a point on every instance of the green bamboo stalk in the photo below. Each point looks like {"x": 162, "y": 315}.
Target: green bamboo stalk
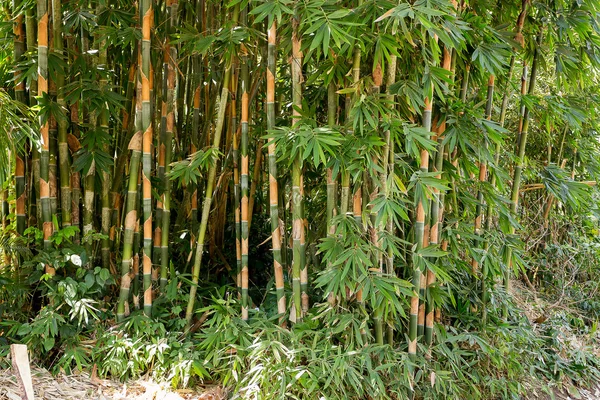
{"x": 161, "y": 157}
{"x": 89, "y": 180}
{"x": 19, "y": 50}
{"x": 299, "y": 271}
{"x": 168, "y": 145}
{"x": 63, "y": 147}
{"x": 357, "y": 195}
{"x": 44, "y": 179}
{"x": 332, "y": 102}
{"x": 195, "y": 139}
{"x": 390, "y": 177}
{"x": 419, "y": 238}
{"x": 236, "y": 182}
{"x": 504, "y": 107}
{"x": 245, "y": 81}
{"x": 518, "y": 168}
{"x": 208, "y": 196}
{"x": 273, "y": 189}
{"x": 482, "y": 178}
{"x": 376, "y": 185}
{"x": 297, "y": 227}
{"x": 465, "y": 83}
{"x": 137, "y": 234}
{"x": 345, "y": 196}
{"x": 131, "y": 210}
{"x": 126, "y": 135}
{"x": 436, "y": 212}
{"x": 146, "y": 12}
{"x": 105, "y": 219}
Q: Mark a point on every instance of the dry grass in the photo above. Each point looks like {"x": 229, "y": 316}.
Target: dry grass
{"x": 85, "y": 386}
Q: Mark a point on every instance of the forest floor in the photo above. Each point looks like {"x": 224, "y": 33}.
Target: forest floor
{"x": 83, "y": 386}
{"x": 86, "y": 386}
{"x": 538, "y": 309}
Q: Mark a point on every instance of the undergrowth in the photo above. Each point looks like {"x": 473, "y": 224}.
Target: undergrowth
{"x": 323, "y": 357}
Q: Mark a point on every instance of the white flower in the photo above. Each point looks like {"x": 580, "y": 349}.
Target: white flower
{"x": 75, "y": 259}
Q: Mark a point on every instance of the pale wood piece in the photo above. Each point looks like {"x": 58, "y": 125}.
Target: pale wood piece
{"x": 20, "y": 364}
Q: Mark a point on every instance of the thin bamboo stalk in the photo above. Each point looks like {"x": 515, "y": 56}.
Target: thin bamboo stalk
{"x": 436, "y": 212}
{"x": 299, "y": 271}
{"x": 419, "y": 237}
{"x": 208, "y": 197}
{"x": 168, "y": 145}
{"x": 518, "y": 168}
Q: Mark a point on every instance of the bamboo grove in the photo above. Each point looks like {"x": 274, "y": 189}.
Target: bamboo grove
{"x": 376, "y": 156}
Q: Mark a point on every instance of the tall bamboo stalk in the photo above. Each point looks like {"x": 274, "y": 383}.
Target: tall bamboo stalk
{"x": 103, "y": 117}
{"x": 503, "y": 108}
{"x": 42, "y": 35}
{"x": 332, "y": 104}
{"x": 299, "y": 273}
{"x": 168, "y": 144}
{"x": 482, "y": 179}
{"x": 131, "y": 207}
{"x": 273, "y": 189}
{"x": 245, "y": 81}
{"x": 236, "y": 177}
{"x": 390, "y": 177}
{"x": 419, "y": 237}
{"x": 147, "y": 16}
{"x": 208, "y": 195}
{"x": 34, "y": 204}
{"x": 20, "y": 194}
{"x": 436, "y": 211}
{"x": 63, "y": 147}
{"x": 378, "y": 184}
{"x": 518, "y": 168}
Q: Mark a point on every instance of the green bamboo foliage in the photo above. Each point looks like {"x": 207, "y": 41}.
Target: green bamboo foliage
{"x": 273, "y": 189}
{"x": 147, "y": 16}
{"x": 44, "y": 180}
